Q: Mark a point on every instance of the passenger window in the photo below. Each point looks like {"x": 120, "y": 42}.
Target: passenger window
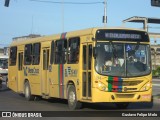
{"x": 61, "y": 51}
{"x": 13, "y": 56}
{"x": 36, "y": 53}
{"x": 90, "y": 57}
{"x": 28, "y": 54}
{"x": 73, "y": 50}
{"x": 52, "y": 53}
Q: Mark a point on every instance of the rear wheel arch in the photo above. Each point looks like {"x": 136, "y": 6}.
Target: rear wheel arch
{"x": 70, "y": 82}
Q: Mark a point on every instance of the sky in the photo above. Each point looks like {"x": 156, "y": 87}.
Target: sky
{"x": 24, "y": 17}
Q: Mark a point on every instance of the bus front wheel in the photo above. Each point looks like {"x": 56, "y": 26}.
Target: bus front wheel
{"x": 27, "y": 91}
{"x": 72, "y": 98}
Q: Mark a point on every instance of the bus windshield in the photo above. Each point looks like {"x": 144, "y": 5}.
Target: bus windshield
{"x": 125, "y": 60}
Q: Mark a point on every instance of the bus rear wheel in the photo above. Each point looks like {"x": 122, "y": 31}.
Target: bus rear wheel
{"x": 27, "y": 92}
{"x": 72, "y": 98}
{"x": 122, "y": 105}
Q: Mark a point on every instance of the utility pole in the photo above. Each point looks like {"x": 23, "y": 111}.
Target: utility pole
{"x": 105, "y": 13}
{"x": 32, "y": 24}
{"x": 62, "y": 16}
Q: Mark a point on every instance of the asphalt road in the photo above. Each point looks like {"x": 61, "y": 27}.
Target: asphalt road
{"x": 10, "y": 101}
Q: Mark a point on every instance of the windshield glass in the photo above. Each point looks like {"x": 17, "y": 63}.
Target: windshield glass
{"x": 4, "y": 63}
{"x": 125, "y": 60}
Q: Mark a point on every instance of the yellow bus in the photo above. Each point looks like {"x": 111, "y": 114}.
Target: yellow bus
{"x": 92, "y": 65}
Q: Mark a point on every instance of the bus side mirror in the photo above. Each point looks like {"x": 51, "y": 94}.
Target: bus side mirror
{"x": 95, "y": 52}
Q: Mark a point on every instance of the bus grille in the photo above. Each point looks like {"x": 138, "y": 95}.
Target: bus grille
{"x": 120, "y": 89}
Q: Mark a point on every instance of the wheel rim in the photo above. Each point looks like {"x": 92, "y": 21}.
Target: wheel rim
{"x": 72, "y": 97}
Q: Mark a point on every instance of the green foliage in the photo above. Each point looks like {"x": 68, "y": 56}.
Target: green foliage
{"x": 156, "y": 73}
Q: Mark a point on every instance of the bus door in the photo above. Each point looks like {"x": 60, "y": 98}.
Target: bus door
{"x": 20, "y": 72}
{"x": 45, "y": 65}
{"x": 86, "y": 72}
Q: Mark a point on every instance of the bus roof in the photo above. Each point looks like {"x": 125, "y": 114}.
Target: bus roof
{"x": 69, "y": 34}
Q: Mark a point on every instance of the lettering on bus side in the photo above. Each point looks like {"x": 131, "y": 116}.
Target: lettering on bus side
{"x": 69, "y": 72}
{"x": 31, "y": 71}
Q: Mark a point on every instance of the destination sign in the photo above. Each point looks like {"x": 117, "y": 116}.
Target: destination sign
{"x": 121, "y": 35}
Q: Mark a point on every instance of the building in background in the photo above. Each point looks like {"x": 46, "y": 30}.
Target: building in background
{"x": 155, "y": 54}
{"x": 155, "y": 48}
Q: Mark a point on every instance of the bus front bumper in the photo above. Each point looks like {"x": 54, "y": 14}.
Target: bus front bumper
{"x": 101, "y": 96}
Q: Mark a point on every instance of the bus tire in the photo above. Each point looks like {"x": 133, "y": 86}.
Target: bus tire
{"x": 122, "y": 105}
{"x": 72, "y": 98}
{"x": 27, "y": 92}
{"x": 7, "y": 81}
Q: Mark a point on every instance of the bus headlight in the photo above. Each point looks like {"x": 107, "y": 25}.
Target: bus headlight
{"x": 102, "y": 86}
{"x": 147, "y": 86}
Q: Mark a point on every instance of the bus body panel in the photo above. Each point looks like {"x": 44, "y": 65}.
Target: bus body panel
{"x": 12, "y": 78}
{"x": 121, "y": 97}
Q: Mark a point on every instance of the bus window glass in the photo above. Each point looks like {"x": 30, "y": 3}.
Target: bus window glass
{"x": 13, "y": 56}
{"x": 90, "y": 57}
{"x": 84, "y": 57}
{"x": 138, "y": 62}
{"x": 52, "y": 53}
{"x": 20, "y": 61}
{"x": 45, "y": 59}
{"x": 28, "y": 54}
{"x": 61, "y": 50}
{"x": 125, "y": 60}
{"x": 36, "y": 53}
{"x": 73, "y": 50}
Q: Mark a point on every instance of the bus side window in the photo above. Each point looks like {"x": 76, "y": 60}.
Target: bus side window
{"x": 28, "y": 54}
{"x": 73, "y": 50}
{"x": 64, "y": 52}
{"x": 61, "y": 50}
{"x": 52, "y": 53}
{"x": 13, "y": 56}
{"x": 90, "y": 57}
{"x": 36, "y": 53}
